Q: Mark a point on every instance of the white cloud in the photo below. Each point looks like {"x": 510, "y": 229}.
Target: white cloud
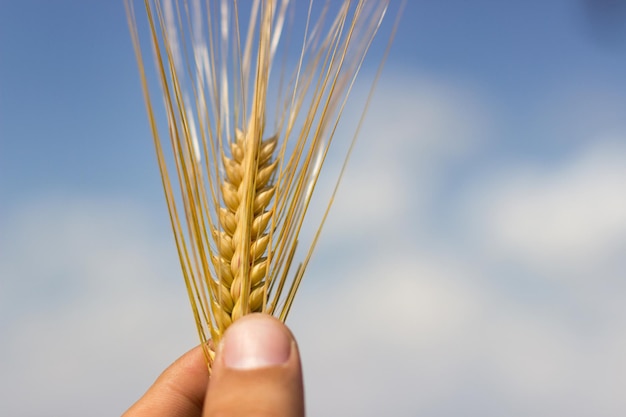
{"x": 416, "y": 128}
{"x": 94, "y": 308}
{"x": 411, "y": 334}
{"x": 564, "y": 218}
{"x": 371, "y": 340}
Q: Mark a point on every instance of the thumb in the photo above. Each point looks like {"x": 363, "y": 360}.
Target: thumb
{"x": 256, "y": 371}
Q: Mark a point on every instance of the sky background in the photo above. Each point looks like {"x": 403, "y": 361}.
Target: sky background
{"x": 474, "y": 263}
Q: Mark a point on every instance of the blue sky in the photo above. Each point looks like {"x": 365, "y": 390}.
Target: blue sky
{"x": 473, "y": 263}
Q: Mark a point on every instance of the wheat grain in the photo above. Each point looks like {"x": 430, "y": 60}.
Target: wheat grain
{"x": 244, "y": 188}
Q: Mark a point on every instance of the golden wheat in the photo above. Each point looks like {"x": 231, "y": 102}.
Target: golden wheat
{"x": 244, "y": 188}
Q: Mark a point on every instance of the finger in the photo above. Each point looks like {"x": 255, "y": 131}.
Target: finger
{"x": 178, "y": 392}
{"x": 256, "y": 371}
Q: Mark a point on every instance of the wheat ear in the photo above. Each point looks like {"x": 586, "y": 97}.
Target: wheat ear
{"x": 244, "y": 188}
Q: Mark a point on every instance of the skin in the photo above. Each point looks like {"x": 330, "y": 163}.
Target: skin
{"x": 256, "y": 372}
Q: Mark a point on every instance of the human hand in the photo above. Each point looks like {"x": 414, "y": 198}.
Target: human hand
{"x": 256, "y": 372}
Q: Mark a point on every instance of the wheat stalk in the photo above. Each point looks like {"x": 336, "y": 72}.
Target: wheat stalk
{"x": 243, "y": 188}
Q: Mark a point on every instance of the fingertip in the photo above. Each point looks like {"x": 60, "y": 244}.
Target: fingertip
{"x": 257, "y": 371}
{"x": 256, "y": 341}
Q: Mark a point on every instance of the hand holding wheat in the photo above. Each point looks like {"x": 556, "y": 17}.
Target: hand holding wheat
{"x": 243, "y": 187}
{"x": 256, "y": 372}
